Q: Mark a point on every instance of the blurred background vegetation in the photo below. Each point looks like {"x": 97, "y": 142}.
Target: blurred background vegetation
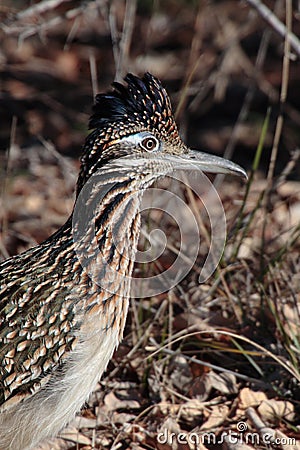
{"x": 214, "y": 57}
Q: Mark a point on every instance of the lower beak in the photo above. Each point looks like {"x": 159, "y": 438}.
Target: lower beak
{"x": 210, "y": 163}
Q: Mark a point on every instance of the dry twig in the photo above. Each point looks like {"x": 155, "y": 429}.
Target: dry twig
{"x": 276, "y": 24}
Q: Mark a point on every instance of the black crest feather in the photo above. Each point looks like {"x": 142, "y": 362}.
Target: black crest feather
{"x": 143, "y": 99}
{"x": 141, "y": 104}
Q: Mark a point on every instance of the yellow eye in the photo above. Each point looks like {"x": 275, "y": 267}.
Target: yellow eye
{"x": 150, "y": 144}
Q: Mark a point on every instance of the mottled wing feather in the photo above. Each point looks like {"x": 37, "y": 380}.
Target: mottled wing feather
{"x": 37, "y": 324}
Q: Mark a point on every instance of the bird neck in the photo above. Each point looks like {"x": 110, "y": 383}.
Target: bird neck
{"x": 106, "y": 226}
{"x": 106, "y": 220}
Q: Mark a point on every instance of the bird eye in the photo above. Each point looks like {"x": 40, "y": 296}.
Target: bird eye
{"x": 150, "y": 144}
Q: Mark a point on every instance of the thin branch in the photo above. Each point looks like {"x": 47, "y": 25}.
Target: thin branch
{"x": 39, "y": 8}
{"x": 295, "y": 157}
{"x": 3, "y": 192}
{"x": 278, "y": 129}
{"x": 25, "y": 29}
{"x": 283, "y": 93}
{"x": 124, "y": 46}
{"x": 114, "y": 31}
{"x": 276, "y": 24}
{"x": 93, "y": 70}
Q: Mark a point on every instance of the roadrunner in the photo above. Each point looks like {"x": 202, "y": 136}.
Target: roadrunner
{"x": 60, "y": 321}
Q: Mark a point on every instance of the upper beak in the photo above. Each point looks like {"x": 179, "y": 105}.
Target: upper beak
{"x": 211, "y": 163}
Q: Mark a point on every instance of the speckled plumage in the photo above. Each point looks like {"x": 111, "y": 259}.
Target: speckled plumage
{"x": 58, "y": 326}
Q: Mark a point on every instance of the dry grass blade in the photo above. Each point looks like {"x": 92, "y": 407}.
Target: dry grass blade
{"x": 263, "y": 350}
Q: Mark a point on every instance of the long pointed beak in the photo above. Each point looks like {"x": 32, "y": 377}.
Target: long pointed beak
{"x": 212, "y": 164}
{"x": 164, "y": 163}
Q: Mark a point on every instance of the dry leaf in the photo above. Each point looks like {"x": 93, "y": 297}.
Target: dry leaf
{"x": 290, "y": 318}
{"x": 167, "y": 433}
{"x": 275, "y": 410}
{"x": 72, "y": 434}
{"x": 180, "y": 372}
{"x": 248, "y": 398}
{"x": 216, "y": 418}
{"x": 122, "y": 418}
{"x": 84, "y": 422}
{"x": 223, "y": 382}
{"x": 54, "y": 444}
{"x": 201, "y": 388}
{"x": 113, "y": 402}
{"x": 191, "y": 409}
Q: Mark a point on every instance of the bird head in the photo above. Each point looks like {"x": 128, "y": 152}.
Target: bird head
{"x": 137, "y": 120}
